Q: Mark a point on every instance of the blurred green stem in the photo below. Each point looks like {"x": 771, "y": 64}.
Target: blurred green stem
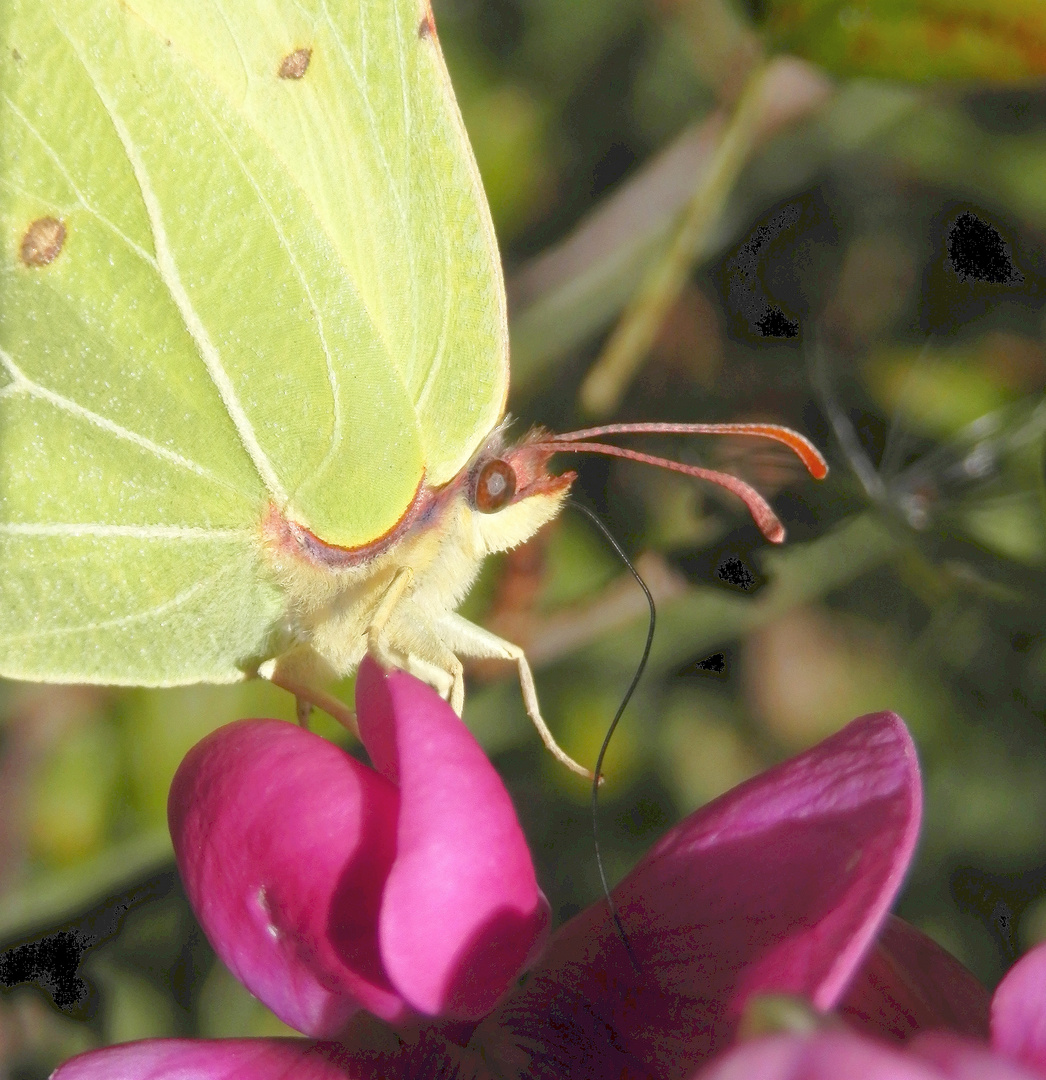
{"x": 637, "y": 330}
{"x": 707, "y": 616}
{"x": 57, "y": 896}
{"x": 724, "y": 46}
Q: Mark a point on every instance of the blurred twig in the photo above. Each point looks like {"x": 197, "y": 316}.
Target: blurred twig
{"x": 704, "y": 617}
{"x": 53, "y": 898}
{"x": 620, "y": 604}
{"x": 607, "y": 381}
{"x": 724, "y": 46}
{"x": 692, "y": 618}
{"x": 569, "y": 292}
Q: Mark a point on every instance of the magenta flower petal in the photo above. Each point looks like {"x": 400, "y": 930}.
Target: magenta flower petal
{"x": 961, "y": 1058}
{"x": 825, "y": 1056}
{"x": 778, "y": 886}
{"x": 461, "y": 911}
{"x": 910, "y": 984}
{"x": 831, "y": 1055}
{"x": 1018, "y": 1012}
{"x": 284, "y": 842}
{"x": 223, "y": 1059}
{"x": 273, "y": 1059}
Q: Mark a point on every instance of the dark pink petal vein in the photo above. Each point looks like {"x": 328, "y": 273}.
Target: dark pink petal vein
{"x": 778, "y": 886}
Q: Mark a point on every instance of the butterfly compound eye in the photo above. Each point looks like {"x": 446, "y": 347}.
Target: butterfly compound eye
{"x": 495, "y": 486}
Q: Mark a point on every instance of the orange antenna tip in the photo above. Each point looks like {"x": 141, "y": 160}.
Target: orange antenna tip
{"x": 799, "y": 444}
{"x": 769, "y": 523}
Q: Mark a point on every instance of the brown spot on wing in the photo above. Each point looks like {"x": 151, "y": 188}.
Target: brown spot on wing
{"x": 427, "y": 26}
{"x": 42, "y": 242}
{"x": 295, "y": 64}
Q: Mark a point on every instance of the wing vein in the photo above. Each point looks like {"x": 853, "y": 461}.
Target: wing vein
{"x": 392, "y": 186}
{"x": 22, "y": 384}
{"x": 133, "y": 532}
{"x": 408, "y": 123}
{"x": 81, "y": 198}
{"x": 337, "y": 430}
{"x": 167, "y": 268}
{"x": 176, "y": 601}
{"x": 439, "y": 352}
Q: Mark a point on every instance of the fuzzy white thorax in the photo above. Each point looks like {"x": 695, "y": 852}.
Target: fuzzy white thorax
{"x": 330, "y": 608}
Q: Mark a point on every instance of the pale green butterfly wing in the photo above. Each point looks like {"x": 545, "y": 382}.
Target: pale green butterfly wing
{"x": 206, "y": 336}
{"x": 371, "y": 135}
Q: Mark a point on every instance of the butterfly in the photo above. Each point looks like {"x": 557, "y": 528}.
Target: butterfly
{"x": 254, "y": 351}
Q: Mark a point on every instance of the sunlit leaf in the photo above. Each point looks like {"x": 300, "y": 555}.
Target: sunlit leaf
{"x": 915, "y": 40}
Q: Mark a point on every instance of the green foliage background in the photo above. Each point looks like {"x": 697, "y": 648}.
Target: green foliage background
{"x": 919, "y": 588}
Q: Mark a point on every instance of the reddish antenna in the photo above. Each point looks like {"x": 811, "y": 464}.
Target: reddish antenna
{"x": 768, "y": 522}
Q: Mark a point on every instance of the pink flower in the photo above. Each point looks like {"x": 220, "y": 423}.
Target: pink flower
{"x": 779, "y": 886}
{"x": 910, "y": 984}
{"x": 1014, "y": 1049}
{"x": 326, "y": 886}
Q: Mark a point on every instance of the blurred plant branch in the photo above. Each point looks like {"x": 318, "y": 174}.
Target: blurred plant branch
{"x": 53, "y": 897}
{"x": 610, "y": 376}
{"x": 565, "y": 295}
{"x": 724, "y": 47}
{"x": 695, "y": 617}
{"x": 703, "y": 617}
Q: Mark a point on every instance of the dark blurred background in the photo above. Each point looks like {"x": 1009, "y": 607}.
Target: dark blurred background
{"x": 865, "y": 265}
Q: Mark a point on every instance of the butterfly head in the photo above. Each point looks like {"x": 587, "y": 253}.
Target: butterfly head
{"x": 510, "y": 491}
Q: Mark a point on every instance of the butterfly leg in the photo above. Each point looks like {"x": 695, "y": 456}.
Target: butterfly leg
{"x": 467, "y": 639}
{"x": 441, "y": 669}
{"x": 306, "y": 695}
{"x": 443, "y": 672}
{"x": 376, "y": 644}
{"x": 441, "y": 680}
{"x": 303, "y": 710}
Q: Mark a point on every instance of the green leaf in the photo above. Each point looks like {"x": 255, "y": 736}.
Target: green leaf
{"x": 915, "y": 40}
